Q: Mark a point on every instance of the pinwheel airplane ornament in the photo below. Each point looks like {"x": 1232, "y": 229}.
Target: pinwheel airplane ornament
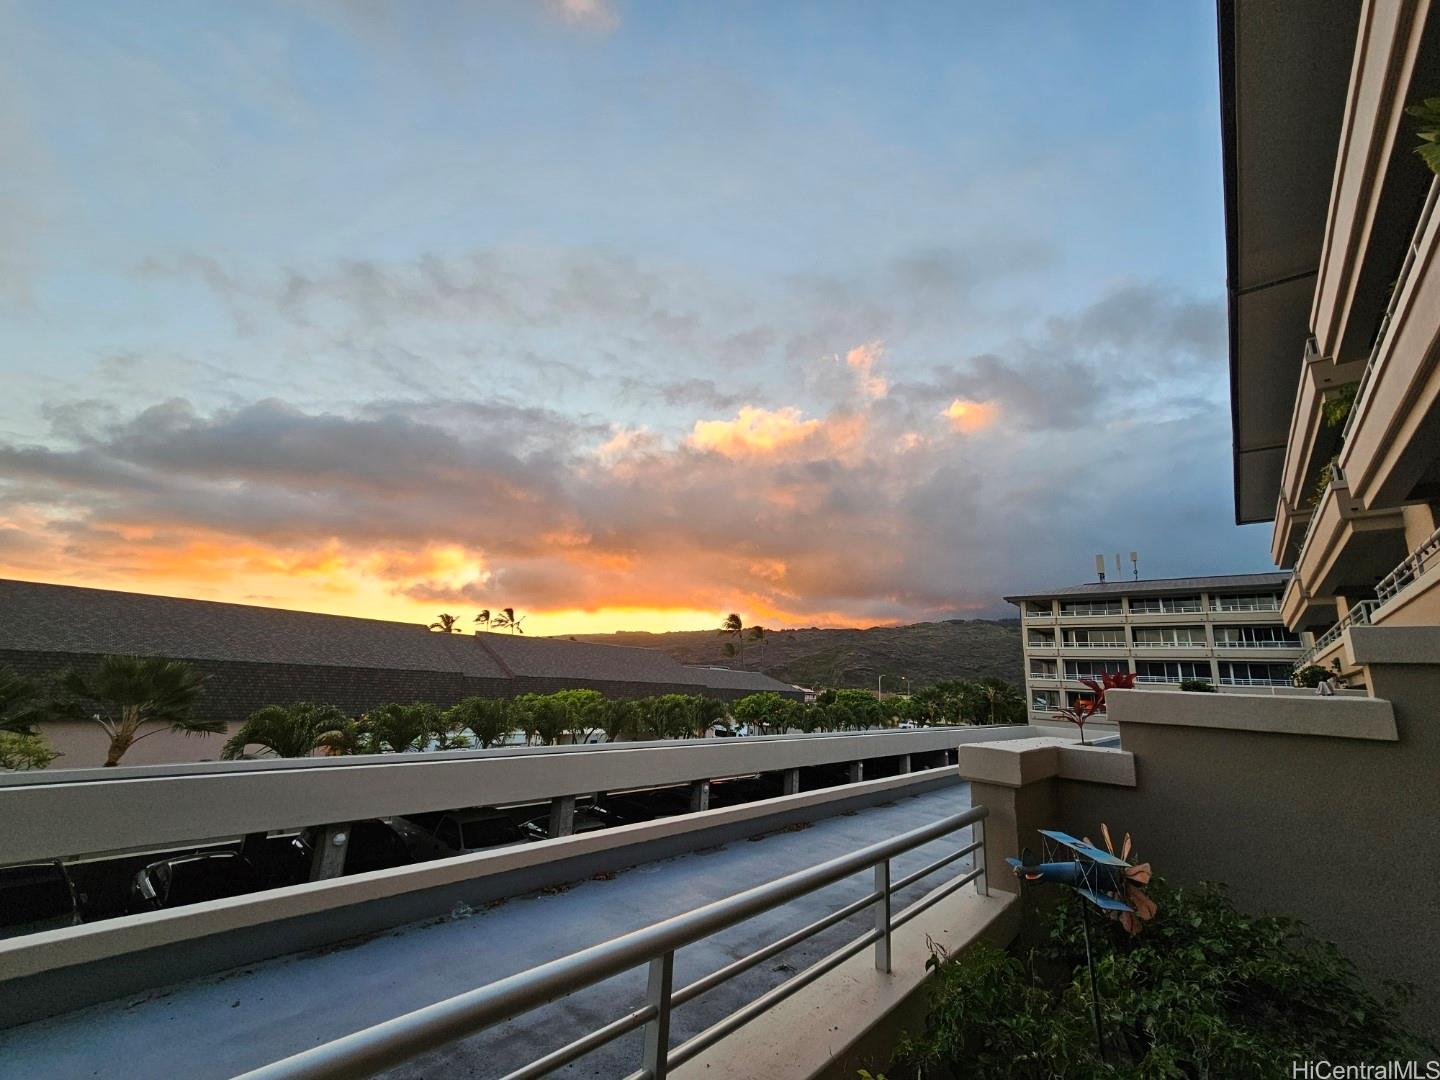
{"x": 1105, "y": 879}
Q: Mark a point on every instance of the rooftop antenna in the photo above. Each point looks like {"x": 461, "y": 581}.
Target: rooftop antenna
{"x": 1100, "y": 566}
{"x": 1118, "y": 572}
{"x": 1135, "y": 563}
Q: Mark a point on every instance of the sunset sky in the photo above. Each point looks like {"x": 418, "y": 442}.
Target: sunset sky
{"x": 624, "y": 314}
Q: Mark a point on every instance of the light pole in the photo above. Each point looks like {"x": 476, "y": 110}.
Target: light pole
{"x": 906, "y": 679}
{"x": 879, "y": 691}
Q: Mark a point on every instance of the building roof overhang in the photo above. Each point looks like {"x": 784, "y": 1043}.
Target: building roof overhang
{"x": 1284, "y": 71}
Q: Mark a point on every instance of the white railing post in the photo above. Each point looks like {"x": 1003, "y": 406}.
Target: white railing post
{"x": 982, "y": 883}
{"x": 882, "y": 916}
{"x": 657, "y": 1031}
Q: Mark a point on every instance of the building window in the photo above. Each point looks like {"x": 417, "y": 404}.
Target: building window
{"x": 1109, "y": 637}
{"x": 1165, "y": 605}
{"x": 1043, "y": 669}
{"x": 1075, "y": 698}
{"x": 1042, "y": 641}
{"x": 1045, "y": 699}
{"x": 1255, "y": 637}
{"x": 1170, "y": 637}
{"x": 1237, "y": 673}
{"x": 1034, "y": 609}
{"x": 1171, "y": 671}
{"x": 1090, "y": 607}
{"x": 1257, "y": 602}
{"x": 1093, "y": 669}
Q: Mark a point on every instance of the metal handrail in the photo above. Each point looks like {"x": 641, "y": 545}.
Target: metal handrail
{"x": 1372, "y": 362}
{"x": 1410, "y": 568}
{"x": 394, "y": 1041}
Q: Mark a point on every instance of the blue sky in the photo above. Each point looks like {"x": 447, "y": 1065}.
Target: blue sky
{"x": 620, "y": 313}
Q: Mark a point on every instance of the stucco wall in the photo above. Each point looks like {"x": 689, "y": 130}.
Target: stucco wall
{"x": 1339, "y": 832}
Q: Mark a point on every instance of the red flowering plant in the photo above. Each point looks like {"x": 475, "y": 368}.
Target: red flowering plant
{"x": 1087, "y": 707}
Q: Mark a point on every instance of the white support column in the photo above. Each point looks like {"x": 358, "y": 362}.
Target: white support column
{"x": 857, "y": 771}
{"x": 904, "y": 764}
{"x": 790, "y": 782}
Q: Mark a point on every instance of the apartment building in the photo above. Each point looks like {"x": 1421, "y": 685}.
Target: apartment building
{"x": 1224, "y": 631}
{"x": 1333, "y": 237}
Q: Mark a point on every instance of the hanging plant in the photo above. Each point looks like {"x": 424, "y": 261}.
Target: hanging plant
{"x": 1337, "y": 407}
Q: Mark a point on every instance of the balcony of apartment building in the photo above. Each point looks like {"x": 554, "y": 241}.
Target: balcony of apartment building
{"x": 1110, "y": 638}
{"x": 1268, "y": 643}
{"x": 1042, "y": 640}
{"x": 1164, "y": 609}
{"x": 1039, "y": 613}
{"x": 1086, "y": 612}
{"x": 1182, "y": 642}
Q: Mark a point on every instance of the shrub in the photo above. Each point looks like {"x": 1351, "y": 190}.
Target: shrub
{"x": 1309, "y": 676}
{"x": 1199, "y": 686}
{"x": 20, "y": 752}
{"x": 1205, "y": 990}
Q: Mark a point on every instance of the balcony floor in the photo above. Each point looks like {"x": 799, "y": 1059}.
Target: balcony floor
{"x": 225, "y": 1024}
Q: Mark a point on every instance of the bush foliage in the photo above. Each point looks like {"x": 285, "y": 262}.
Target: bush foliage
{"x": 1204, "y": 991}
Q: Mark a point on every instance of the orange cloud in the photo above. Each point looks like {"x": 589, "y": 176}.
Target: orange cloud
{"x": 970, "y": 416}
{"x": 862, "y": 360}
{"x": 754, "y": 432}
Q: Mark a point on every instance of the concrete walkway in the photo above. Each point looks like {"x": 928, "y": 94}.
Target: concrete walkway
{"x": 223, "y": 1025}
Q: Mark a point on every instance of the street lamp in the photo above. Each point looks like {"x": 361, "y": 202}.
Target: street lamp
{"x": 879, "y": 688}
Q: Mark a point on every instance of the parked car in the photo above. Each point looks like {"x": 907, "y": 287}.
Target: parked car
{"x": 373, "y": 844}
{"x": 36, "y": 896}
{"x": 190, "y": 879}
{"x": 587, "y": 819}
{"x": 459, "y": 832}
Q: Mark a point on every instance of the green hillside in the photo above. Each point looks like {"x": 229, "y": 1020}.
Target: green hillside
{"x": 926, "y": 652}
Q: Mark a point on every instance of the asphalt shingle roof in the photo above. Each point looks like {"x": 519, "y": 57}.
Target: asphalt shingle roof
{"x": 1160, "y": 586}
{"x": 37, "y": 617}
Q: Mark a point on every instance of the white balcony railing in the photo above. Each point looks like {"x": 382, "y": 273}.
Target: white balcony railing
{"x": 1358, "y": 615}
{"x": 1371, "y": 362}
{"x": 1257, "y": 644}
{"x": 1410, "y": 568}
{"x": 1220, "y": 605}
{"x": 1232, "y": 680}
{"x": 1170, "y": 644}
{"x": 1115, "y": 646}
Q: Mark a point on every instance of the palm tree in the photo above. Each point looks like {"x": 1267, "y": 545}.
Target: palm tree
{"x": 446, "y": 624}
{"x": 292, "y": 731}
{"x": 396, "y": 728}
{"x": 483, "y": 619}
{"x": 734, "y": 627}
{"x": 757, "y": 635}
{"x": 1001, "y": 701}
{"x": 137, "y": 696}
{"x": 489, "y": 720}
{"x": 508, "y": 618}
{"x": 22, "y": 705}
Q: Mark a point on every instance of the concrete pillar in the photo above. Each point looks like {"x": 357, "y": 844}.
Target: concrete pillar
{"x": 699, "y": 796}
{"x": 562, "y": 815}
{"x": 857, "y": 771}
{"x": 327, "y": 857}
{"x": 903, "y": 765}
{"x": 790, "y": 782}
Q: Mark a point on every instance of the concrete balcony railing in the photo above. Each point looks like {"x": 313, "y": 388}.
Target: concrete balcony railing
{"x": 1346, "y": 542}
{"x": 1410, "y": 570}
{"x": 1113, "y": 646}
{"x": 1393, "y": 429}
{"x": 1358, "y": 615}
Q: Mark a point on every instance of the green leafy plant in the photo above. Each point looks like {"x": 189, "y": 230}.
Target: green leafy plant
{"x": 1206, "y": 991}
{"x": 1308, "y": 676}
{"x": 20, "y": 752}
{"x": 134, "y": 697}
{"x": 488, "y": 720}
{"x": 291, "y": 731}
{"x": 1428, "y": 113}
{"x": 397, "y": 728}
{"x": 23, "y": 703}
{"x": 1198, "y": 686}
{"x": 1338, "y": 405}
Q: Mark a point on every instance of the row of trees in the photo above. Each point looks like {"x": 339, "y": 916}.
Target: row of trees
{"x": 504, "y": 619}
{"x": 131, "y": 698}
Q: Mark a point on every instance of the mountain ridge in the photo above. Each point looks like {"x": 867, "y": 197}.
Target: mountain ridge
{"x": 924, "y": 652}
